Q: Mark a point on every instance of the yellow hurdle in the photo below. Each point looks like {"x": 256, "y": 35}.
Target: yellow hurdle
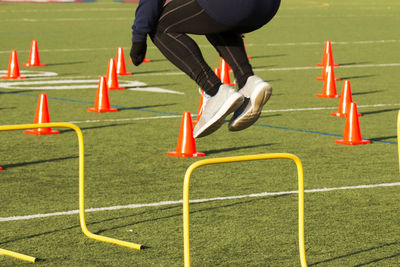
{"x": 81, "y": 189}
{"x": 197, "y": 164}
{"x": 398, "y": 136}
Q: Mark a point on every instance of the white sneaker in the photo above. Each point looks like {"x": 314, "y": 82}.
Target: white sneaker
{"x": 256, "y": 93}
{"x": 215, "y": 110}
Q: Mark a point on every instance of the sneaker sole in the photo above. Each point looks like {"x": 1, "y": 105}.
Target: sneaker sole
{"x": 233, "y": 103}
{"x": 252, "y": 112}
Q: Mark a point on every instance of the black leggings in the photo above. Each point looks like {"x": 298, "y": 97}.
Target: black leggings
{"x": 182, "y": 17}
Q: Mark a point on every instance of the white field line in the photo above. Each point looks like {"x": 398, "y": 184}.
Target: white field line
{"x": 93, "y": 49}
{"x": 332, "y": 42}
{"x": 193, "y": 115}
{"x": 37, "y": 76}
{"x": 283, "y": 69}
{"x": 345, "y": 66}
{"x": 163, "y": 203}
{"x": 325, "y": 108}
{"x": 256, "y": 69}
{"x": 129, "y": 119}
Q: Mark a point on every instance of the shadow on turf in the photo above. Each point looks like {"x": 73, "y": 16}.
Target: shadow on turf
{"x": 263, "y": 67}
{"x": 153, "y": 71}
{"x": 268, "y": 56}
{"x": 92, "y": 127}
{"x": 99, "y": 232}
{"x": 382, "y": 138}
{"x": 379, "y": 111}
{"x": 77, "y": 226}
{"x": 66, "y": 63}
{"x": 353, "y": 63}
{"x": 37, "y": 235}
{"x": 145, "y": 107}
{"x": 36, "y": 162}
{"x": 156, "y": 85}
{"x": 270, "y": 115}
{"x": 216, "y": 151}
{"x": 357, "y": 77}
{"x": 367, "y": 92}
{"x": 15, "y": 92}
{"x": 157, "y": 60}
{"x": 359, "y": 252}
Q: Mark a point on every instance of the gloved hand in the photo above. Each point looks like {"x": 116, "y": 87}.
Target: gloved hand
{"x": 138, "y": 52}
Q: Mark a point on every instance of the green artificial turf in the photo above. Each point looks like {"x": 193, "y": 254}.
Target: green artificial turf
{"x": 125, "y": 151}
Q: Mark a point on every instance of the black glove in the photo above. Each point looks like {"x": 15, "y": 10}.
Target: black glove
{"x": 138, "y": 52}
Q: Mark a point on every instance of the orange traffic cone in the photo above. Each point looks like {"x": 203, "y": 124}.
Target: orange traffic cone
{"x": 200, "y": 111}
{"x": 345, "y": 100}
{"x": 329, "y": 89}
{"x": 112, "y": 80}
{"x": 102, "y": 102}
{"x": 224, "y": 72}
{"x": 352, "y": 134}
{"x": 42, "y": 116}
{"x": 186, "y": 146}
{"x": 327, "y": 51}
{"x": 325, "y": 70}
{"x": 223, "y": 63}
{"x": 34, "y": 60}
{"x": 121, "y": 68}
{"x": 13, "y": 67}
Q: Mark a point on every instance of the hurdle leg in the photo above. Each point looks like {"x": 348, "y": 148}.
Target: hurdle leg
{"x": 398, "y": 136}
{"x": 17, "y": 255}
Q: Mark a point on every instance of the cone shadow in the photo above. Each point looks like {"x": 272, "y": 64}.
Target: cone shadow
{"x": 270, "y": 115}
{"x": 158, "y": 60}
{"x": 216, "y": 151}
{"x": 153, "y": 85}
{"x": 367, "y": 92}
{"x": 94, "y": 127}
{"x": 357, "y": 253}
{"x": 382, "y": 138}
{"x": 145, "y": 107}
{"x": 357, "y": 77}
{"x": 152, "y": 72}
{"x": 66, "y": 63}
{"x": 379, "y": 111}
{"x": 353, "y": 63}
{"x": 36, "y": 162}
{"x": 268, "y": 56}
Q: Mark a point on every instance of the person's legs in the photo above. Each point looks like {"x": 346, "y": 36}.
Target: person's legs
{"x": 231, "y": 48}
{"x": 181, "y": 17}
{"x": 178, "y": 19}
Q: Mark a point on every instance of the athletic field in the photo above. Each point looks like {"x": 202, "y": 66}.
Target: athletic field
{"x": 241, "y": 214}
